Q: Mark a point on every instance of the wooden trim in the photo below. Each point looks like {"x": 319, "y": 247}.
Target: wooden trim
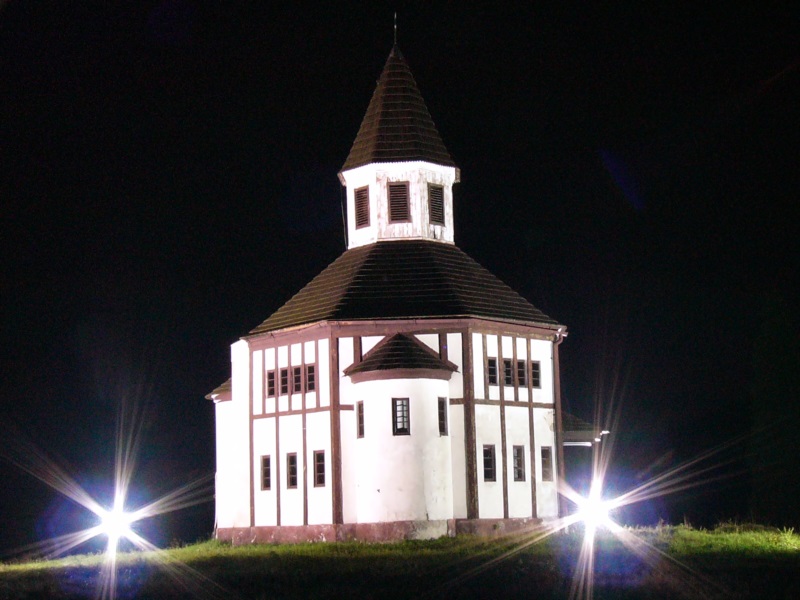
{"x": 336, "y": 433}
{"x": 470, "y": 448}
{"x": 305, "y": 439}
{"x": 357, "y": 353}
{"x": 503, "y": 442}
{"x": 384, "y": 374}
{"x": 532, "y": 438}
{"x": 485, "y": 369}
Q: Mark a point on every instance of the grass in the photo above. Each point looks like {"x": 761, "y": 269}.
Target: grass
{"x": 732, "y": 560}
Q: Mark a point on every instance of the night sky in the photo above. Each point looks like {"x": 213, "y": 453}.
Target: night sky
{"x": 168, "y": 180}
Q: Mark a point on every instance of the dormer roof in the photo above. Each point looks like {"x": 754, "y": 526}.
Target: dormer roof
{"x": 397, "y": 126}
{"x": 400, "y": 353}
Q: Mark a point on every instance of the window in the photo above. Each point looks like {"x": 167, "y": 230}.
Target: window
{"x": 547, "y": 463}
{"x": 319, "y": 468}
{"x": 442, "y": 416}
{"x": 297, "y": 380}
{"x": 436, "y": 204}
{"x": 311, "y": 378}
{"x": 536, "y": 374}
{"x": 266, "y": 473}
{"x": 362, "y": 207}
{"x": 508, "y": 372}
{"x": 489, "y": 464}
{"x": 284, "y": 381}
{"x": 271, "y": 384}
{"x": 398, "y": 202}
{"x": 519, "y": 463}
{"x": 291, "y": 470}
{"x": 491, "y": 366}
{"x": 360, "y": 419}
{"x": 522, "y": 373}
{"x": 401, "y": 421}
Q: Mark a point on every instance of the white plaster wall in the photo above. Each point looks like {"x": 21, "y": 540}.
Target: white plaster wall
{"x": 233, "y": 445}
{"x": 346, "y": 354}
{"x": 405, "y": 477}
{"x": 546, "y": 492}
{"x": 291, "y": 440}
{"x": 517, "y": 434}
{"x": 270, "y": 365}
{"x": 258, "y": 382}
{"x": 431, "y": 340}
{"x": 459, "y": 472}
{"x": 318, "y": 437}
{"x": 487, "y": 431}
{"x": 542, "y": 350}
{"x": 477, "y": 365}
{"x": 368, "y": 342}
{"x": 323, "y": 374}
{"x": 265, "y": 501}
{"x": 347, "y": 428}
{"x": 418, "y": 174}
{"x": 456, "y": 356}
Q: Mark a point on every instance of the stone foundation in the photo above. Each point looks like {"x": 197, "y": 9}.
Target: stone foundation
{"x": 374, "y": 532}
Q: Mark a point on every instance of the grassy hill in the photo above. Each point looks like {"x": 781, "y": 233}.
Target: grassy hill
{"x": 731, "y": 561}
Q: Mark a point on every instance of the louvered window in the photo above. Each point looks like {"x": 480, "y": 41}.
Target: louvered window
{"x": 398, "y": 202}
{"x": 436, "y": 204}
{"x": 362, "y": 207}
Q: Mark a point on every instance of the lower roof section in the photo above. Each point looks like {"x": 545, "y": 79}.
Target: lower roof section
{"x": 404, "y": 279}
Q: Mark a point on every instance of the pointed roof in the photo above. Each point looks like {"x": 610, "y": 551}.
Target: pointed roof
{"x": 400, "y": 352}
{"x": 404, "y": 279}
{"x": 397, "y": 126}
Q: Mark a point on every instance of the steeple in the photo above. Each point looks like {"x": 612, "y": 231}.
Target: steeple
{"x": 399, "y": 175}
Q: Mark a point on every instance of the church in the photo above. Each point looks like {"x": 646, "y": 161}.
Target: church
{"x": 405, "y": 392}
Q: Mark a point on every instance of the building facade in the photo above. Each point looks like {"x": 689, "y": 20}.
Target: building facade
{"x": 405, "y": 392}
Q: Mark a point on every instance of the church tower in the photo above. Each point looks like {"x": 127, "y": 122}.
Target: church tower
{"x": 405, "y": 392}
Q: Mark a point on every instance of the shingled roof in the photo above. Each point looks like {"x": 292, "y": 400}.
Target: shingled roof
{"x": 404, "y": 279}
{"x": 400, "y": 352}
{"x": 397, "y": 126}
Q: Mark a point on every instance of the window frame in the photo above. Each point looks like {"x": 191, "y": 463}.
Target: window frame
{"x": 489, "y": 463}
{"x": 284, "y": 381}
{"x": 395, "y": 198}
{"x": 508, "y": 372}
{"x": 310, "y": 378}
{"x": 361, "y": 207}
{"x": 439, "y": 198}
{"x": 360, "y": 419}
{"x": 319, "y": 468}
{"x": 272, "y": 386}
{"x": 297, "y": 380}
{"x": 266, "y": 473}
{"x": 401, "y": 416}
{"x": 291, "y": 470}
{"x": 522, "y": 373}
{"x": 518, "y": 462}
{"x": 547, "y": 463}
{"x": 491, "y": 371}
{"x": 442, "y": 414}
{"x": 536, "y": 374}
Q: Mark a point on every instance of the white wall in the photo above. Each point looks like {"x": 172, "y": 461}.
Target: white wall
{"x": 517, "y": 434}
{"x": 290, "y": 430}
{"x": 318, "y": 437}
{"x": 265, "y": 504}
{"x": 459, "y": 465}
{"x": 487, "y": 431}
{"x": 546, "y": 492}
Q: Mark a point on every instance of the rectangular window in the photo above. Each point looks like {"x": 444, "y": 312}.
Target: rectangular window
{"x": 311, "y": 378}
{"x": 442, "y": 416}
{"x": 362, "y": 207}
{"x": 436, "y": 204}
{"x": 398, "y": 202}
{"x": 284, "y": 381}
{"x": 291, "y": 470}
{"x": 547, "y": 463}
{"x": 489, "y": 471}
{"x": 319, "y": 468}
{"x": 360, "y": 419}
{"x": 266, "y": 473}
{"x": 297, "y": 380}
{"x": 401, "y": 418}
{"x": 522, "y": 373}
{"x": 491, "y": 367}
{"x": 508, "y": 372}
{"x": 519, "y": 463}
{"x": 270, "y": 384}
{"x": 536, "y": 374}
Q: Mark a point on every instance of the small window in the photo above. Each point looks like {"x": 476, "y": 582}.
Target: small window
{"x": 519, "y": 463}
{"x": 522, "y": 373}
{"x": 319, "y": 468}
{"x": 266, "y": 473}
{"x": 401, "y": 418}
{"x": 291, "y": 470}
{"x": 442, "y": 416}
{"x": 489, "y": 471}
{"x": 311, "y": 378}
{"x": 508, "y": 372}
{"x": 360, "y": 419}
{"x": 297, "y": 380}
{"x": 362, "y": 207}
{"x": 436, "y": 204}
{"x": 491, "y": 367}
{"x": 271, "y": 384}
{"x": 398, "y": 202}
{"x": 547, "y": 463}
{"x": 536, "y": 374}
{"x": 284, "y": 381}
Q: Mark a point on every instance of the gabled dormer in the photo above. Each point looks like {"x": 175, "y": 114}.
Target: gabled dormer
{"x": 399, "y": 175}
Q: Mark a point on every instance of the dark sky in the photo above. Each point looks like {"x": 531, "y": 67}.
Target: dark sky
{"x": 168, "y": 180}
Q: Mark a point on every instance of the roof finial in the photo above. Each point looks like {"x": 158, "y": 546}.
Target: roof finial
{"x": 395, "y": 28}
